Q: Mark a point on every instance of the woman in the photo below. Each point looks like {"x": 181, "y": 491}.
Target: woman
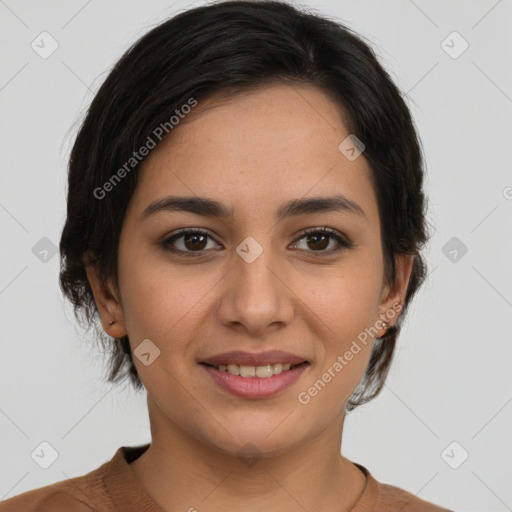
{"x": 245, "y": 217}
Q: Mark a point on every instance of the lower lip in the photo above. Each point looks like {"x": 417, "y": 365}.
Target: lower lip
{"x": 256, "y": 387}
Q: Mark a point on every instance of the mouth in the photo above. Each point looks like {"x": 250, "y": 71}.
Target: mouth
{"x": 262, "y": 371}
{"x": 255, "y": 375}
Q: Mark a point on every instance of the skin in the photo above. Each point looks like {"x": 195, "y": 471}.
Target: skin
{"x": 253, "y": 151}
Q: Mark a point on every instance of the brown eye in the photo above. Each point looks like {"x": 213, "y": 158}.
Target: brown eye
{"x": 187, "y": 242}
{"x": 194, "y": 241}
{"x": 318, "y": 240}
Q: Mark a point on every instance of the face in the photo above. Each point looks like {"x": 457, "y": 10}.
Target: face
{"x": 252, "y": 281}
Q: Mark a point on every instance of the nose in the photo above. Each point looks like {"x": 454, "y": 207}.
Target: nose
{"x": 257, "y": 297}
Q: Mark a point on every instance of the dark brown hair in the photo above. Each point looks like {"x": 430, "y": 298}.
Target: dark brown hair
{"x": 237, "y": 46}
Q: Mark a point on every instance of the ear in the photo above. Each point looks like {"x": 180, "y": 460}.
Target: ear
{"x": 394, "y": 293}
{"x": 109, "y": 307}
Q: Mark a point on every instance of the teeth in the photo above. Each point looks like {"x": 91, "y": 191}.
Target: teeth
{"x": 262, "y": 372}
{"x": 277, "y": 368}
{"x": 234, "y": 369}
{"x": 248, "y": 371}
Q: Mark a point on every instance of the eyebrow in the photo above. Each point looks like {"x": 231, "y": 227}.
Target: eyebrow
{"x": 212, "y": 208}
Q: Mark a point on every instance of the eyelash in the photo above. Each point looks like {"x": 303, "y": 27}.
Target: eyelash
{"x": 166, "y": 244}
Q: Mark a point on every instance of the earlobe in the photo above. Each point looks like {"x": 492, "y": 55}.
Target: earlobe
{"x": 108, "y": 305}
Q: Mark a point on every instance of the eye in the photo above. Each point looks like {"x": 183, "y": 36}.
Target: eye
{"x": 319, "y": 239}
{"x": 194, "y": 242}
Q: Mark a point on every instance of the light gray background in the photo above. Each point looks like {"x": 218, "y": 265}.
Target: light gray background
{"x": 451, "y": 376}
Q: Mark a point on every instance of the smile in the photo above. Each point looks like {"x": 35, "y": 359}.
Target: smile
{"x": 254, "y": 382}
{"x": 263, "y": 372}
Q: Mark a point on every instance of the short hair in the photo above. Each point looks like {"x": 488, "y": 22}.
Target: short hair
{"x": 235, "y": 47}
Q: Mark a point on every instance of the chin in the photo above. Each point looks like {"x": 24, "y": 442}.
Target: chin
{"x": 249, "y": 441}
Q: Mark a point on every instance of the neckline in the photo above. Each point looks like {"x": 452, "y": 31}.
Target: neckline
{"x": 123, "y": 487}
{"x": 128, "y": 494}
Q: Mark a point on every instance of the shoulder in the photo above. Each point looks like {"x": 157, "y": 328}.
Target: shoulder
{"x": 84, "y": 493}
{"x": 391, "y": 496}
{"x": 382, "y": 497}
{"x": 51, "y": 498}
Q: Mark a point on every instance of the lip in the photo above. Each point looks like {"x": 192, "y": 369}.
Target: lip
{"x": 243, "y": 358}
{"x": 255, "y": 387}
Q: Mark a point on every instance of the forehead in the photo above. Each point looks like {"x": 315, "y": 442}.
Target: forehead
{"x": 258, "y": 149}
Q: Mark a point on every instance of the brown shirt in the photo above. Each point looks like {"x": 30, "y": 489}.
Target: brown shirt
{"x": 113, "y": 487}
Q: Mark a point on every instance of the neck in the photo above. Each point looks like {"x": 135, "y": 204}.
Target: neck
{"x": 182, "y": 473}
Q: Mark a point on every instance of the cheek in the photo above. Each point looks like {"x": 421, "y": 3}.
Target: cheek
{"x": 346, "y": 299}
{"x": 165, "y": 306}
{"x": 347, "y": 304}
{"x": 154, "y": 296}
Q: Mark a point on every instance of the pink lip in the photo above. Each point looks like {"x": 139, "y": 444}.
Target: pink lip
{"x": 254, "y": 359}
{"x": 256, "y": 387}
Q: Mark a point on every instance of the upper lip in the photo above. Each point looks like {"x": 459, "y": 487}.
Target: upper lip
{"x": 242, "y": 358}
